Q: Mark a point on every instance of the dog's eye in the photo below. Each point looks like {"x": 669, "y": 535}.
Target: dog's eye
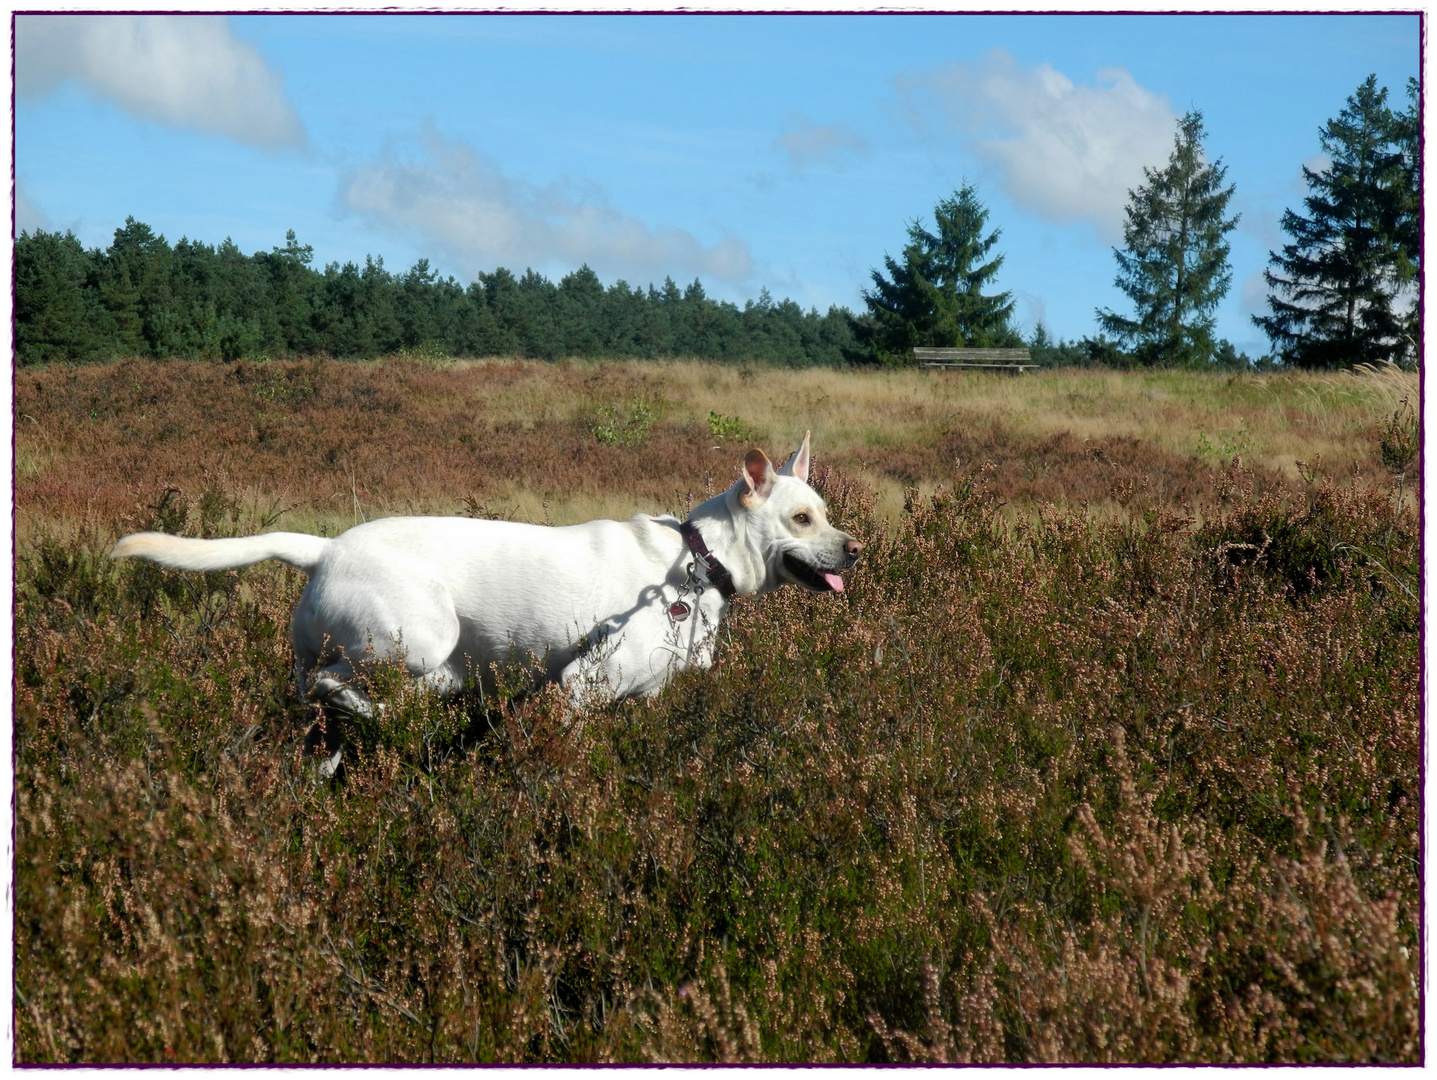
{"x": 802, "y": 519}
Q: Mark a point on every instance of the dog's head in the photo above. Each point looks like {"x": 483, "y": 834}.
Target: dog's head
{"x": 787, "y": 524}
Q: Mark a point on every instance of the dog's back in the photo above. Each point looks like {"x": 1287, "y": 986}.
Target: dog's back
{"x": 513, "y": 587}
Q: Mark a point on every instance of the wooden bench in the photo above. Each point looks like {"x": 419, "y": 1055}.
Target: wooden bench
{"x": 1008, "y": 361}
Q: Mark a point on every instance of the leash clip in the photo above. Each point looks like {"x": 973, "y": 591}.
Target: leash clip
{"x": 680, "y": 610}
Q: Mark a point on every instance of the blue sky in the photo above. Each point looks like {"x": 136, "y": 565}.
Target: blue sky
{"x": 750, "y": 151}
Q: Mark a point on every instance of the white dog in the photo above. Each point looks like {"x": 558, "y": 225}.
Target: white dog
{"x": 617, "y": 606}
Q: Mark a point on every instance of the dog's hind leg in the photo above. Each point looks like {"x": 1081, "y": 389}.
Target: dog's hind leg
{"x": 383, "y": 615}
{"x": 331, "y": 686}
{"x": 442, "y": 680}
{"x": 323, "y": 745}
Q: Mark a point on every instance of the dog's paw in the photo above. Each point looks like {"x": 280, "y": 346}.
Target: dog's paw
{"x": 328, "y": 766}
{"x": 348, "y": 700}
{"x": 316, "y": 752}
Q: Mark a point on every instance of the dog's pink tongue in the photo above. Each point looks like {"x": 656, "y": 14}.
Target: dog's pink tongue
{"x": 834, "y": 582}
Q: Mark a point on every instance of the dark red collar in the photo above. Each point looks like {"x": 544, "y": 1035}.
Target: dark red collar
{"x": 715, "y": 571}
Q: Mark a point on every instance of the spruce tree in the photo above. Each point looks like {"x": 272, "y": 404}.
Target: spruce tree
{"x": 1407, "y": 205}
{"x": 1334, "y": 290}
{"x": 935, "y": 297}
{"x": 1173, "y": 265}
{"x": 133, "y": 286}
{"x": 291, "y": 285}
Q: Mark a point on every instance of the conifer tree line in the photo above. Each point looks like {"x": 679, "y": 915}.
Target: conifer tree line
{"x": 144, "y": 297}
{"x": 1343, "y": 291}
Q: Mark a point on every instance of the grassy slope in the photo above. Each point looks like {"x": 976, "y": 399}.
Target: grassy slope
{"x": 343, "y": 441}
{"x": 1048, "y": 785}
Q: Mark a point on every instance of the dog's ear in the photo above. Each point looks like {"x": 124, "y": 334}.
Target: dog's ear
{"x": 758, "y": 477}
{"x": 797, "y": 463}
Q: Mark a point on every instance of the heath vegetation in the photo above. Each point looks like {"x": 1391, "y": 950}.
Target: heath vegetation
{"x": 332, "y": 443}
{"x": 1108, "y": 752}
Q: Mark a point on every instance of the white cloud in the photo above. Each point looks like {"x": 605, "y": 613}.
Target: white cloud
{"x": 1254, "y": 295}
{"x": 186, "y": 71}
{"x": 1262, "y": 223}
{"x": 1319, "y": 162}
{"x": 1065, "y": 151}
{"x": 807, "y": 143}
{"x": 28, "y": 216}
{"x": 1034, "y": 310}
{"x": 462, "y": 201}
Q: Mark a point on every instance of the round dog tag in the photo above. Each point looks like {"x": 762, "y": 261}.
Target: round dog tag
{"x": 678, "y": 611}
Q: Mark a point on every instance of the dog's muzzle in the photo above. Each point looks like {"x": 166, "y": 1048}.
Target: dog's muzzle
{"x": 821, "y": 578}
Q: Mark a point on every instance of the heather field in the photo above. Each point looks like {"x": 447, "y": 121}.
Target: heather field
{"x": 1109, "y": 751}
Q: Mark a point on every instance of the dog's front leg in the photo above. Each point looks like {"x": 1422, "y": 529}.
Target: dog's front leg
{"x": 589, "y": 679}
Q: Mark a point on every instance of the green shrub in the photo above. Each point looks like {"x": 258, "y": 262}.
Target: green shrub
{"x": 728, "y": 427}
{"x": 616, "y": 426}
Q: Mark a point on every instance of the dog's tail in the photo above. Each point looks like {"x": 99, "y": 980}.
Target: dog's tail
{"x": 185, "y": 553}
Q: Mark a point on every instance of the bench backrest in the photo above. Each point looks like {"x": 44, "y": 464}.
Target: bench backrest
{"x": 972, "y": 356}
